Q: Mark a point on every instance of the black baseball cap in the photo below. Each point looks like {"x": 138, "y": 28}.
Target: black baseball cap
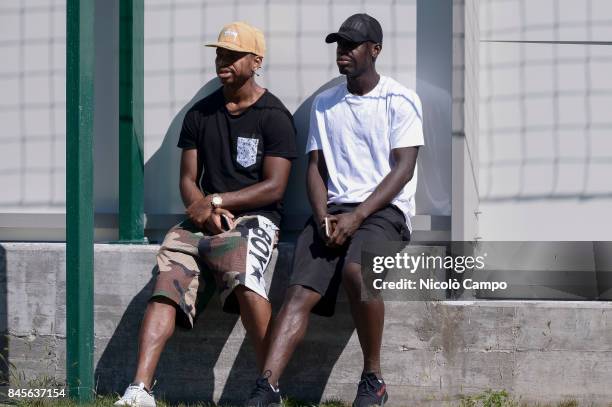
{"x": 358, "y": 28}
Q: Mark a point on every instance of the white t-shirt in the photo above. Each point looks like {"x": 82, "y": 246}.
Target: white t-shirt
{"x": 357, "y": 134}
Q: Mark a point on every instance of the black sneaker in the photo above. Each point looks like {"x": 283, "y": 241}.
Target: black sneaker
{"x": 371, "y": 391}
{"x": 263, "y": 395}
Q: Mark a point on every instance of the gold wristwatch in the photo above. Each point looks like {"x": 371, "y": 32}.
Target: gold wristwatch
{"x": 216, "y": 201}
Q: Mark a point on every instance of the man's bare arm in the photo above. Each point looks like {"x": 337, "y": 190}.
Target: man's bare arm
{"x": 190, "y": 192}
{"x": 316, "y": 182}
{"x": 269, "y": 191}
{"x": 401, "y": 173}
{"x": 198, "y": 207}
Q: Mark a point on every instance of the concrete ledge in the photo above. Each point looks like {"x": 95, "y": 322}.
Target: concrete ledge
{"x": 542, "y": 351}
{"x": 51, "y": 227}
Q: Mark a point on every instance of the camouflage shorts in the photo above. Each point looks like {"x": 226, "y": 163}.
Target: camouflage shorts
{"x": 239, "y": 256}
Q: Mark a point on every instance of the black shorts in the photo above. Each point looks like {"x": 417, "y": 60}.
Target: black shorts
{"x": 319, "y": 268}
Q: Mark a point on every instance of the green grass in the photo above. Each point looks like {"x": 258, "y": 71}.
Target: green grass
{"x": 107, "y": 401}
{"x": 488, "y": 398}
{"x": 501, "y": 398}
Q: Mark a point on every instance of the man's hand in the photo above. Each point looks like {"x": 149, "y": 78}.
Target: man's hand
{"x": 345, "y": 226}
{"x": 320, "y": 222}
{"x": 214, "y": 225}
{"x": 199, "y": 211}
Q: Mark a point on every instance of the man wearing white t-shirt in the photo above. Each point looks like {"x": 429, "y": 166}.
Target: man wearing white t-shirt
{"x": 363, "y": 143}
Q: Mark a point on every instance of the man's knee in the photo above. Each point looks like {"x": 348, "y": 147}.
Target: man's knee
{"x": 351, "y": 274}
{"x": 352, "y": 280}
{"x": 248, "y": 297}
{"x": 300, "y": 299}
{"x": 160, "y": 318}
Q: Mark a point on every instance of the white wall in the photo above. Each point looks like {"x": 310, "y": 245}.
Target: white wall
{"x": 177, "y": 68}
{"x": 178, "y": 71}
{"x": 32, "y": 105}
{"x": 544, "y": 149}
{"x": 545, "y": 124}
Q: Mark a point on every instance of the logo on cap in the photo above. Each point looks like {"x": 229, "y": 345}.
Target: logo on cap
{"x": 230, "y": 33}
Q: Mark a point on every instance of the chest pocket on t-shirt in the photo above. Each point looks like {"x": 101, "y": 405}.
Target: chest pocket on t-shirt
{"x": 247, "y": 149}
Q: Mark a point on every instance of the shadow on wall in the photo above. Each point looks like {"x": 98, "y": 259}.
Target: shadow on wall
{"x": 185, "y": 370}
{"x": 213, "y": 361}
{"x": 434, "y": 164}
{"x": 297, "y": 207}
{"x": 161, "y": 172}
{"x": 310, "y": 367}
{"x": 162, "y": 169}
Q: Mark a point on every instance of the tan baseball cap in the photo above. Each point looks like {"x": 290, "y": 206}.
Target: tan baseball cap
{"x": 242, "y": 37}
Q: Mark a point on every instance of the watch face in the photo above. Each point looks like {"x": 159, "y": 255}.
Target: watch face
{"x": 217, "y": 200}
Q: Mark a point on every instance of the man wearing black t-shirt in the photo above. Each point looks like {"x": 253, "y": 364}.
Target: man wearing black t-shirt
{"x": 237, "y": 148}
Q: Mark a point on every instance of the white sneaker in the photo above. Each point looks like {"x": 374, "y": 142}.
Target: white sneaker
{"x": 136, "y": 396}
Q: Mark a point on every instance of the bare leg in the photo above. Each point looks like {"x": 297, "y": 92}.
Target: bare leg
{"x": 255, "y": 313}
{"x": 157, "y": 327}
{"x": 289, "y": 329}
{"x": 368, "y": 316}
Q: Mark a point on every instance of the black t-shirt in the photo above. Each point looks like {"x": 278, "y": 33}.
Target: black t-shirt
{"x": 231, "y": 148}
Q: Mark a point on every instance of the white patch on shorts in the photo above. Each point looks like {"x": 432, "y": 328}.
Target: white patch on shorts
{"x": 260, "y": 246}
{"x": 259, "y": 253}
{"x": 246, "y": 151}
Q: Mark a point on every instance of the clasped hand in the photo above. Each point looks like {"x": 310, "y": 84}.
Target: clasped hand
{"x": 341, "y": 227}
{"x": 207, "y": 218}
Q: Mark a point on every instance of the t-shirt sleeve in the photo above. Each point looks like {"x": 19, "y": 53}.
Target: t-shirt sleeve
{"x": 314, "y": 137}
{"x": 188, "y": 136}
{"x": 279, "y": 135}
{"x": 406, "y": 121}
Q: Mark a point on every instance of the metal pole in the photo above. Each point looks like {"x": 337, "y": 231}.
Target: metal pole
{"x": 79, "y": 198}
{"x": 131, "y": 128}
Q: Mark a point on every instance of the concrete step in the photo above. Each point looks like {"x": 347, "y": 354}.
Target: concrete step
{"x": 543, "y": 351}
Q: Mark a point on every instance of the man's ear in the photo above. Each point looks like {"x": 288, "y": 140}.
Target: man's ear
{"x": 258, "y": 61}
{"x": 375, "y": 50}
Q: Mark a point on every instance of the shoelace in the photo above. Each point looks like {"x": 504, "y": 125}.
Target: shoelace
{"x": 367, "y": 386}
{"x": 261, "y": 388}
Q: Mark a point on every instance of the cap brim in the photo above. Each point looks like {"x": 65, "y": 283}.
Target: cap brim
{"x": 227, "y": 45}
{"x": 334, "y": 37}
